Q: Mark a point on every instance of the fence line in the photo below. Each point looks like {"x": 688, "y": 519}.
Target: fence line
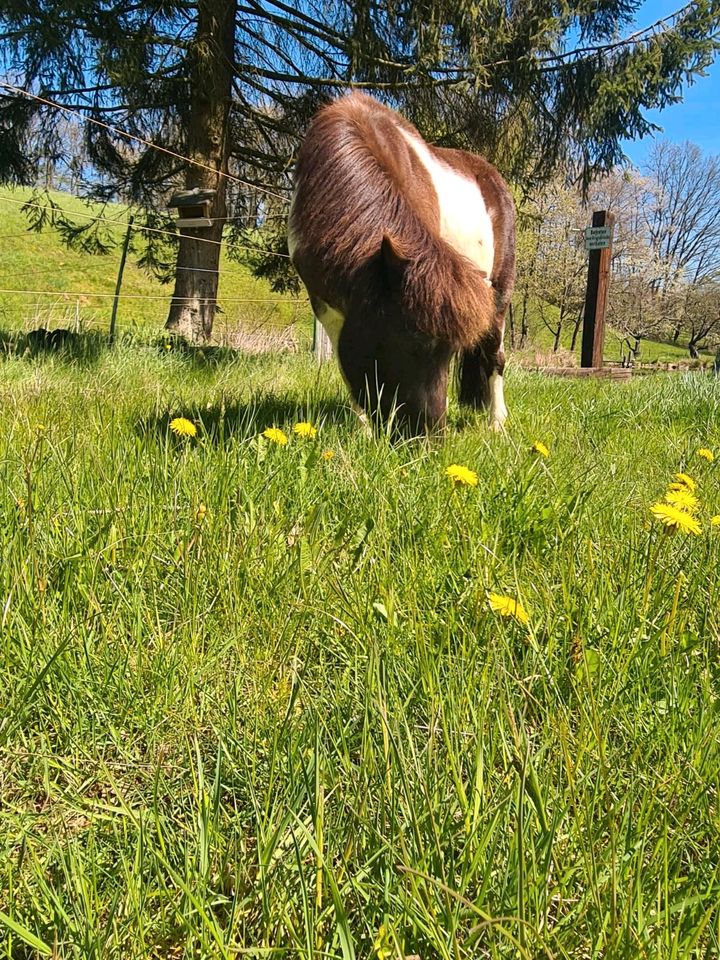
{"x": 141, "y": 296}
{"x": 20, "y": 91}
{"x": 46, "y": 274}
{"x": 14, "y": 236}
{"x": 124, "y": 223}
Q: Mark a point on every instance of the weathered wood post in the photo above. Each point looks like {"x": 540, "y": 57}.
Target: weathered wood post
{"x": 598, "y": 241}
{"x": 118, "y": 285}
{"x": 322, "y": 345}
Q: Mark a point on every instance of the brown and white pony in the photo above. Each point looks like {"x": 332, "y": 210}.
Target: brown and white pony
{"x": 408, "y": 255}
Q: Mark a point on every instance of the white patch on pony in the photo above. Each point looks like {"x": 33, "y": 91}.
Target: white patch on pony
{"x": 363, "y": 418}
{"x": 293, "y": 236}
{"x": 464, "y": 220}
{"x": 333, "y": 322}
{"x": 292, "y": 239}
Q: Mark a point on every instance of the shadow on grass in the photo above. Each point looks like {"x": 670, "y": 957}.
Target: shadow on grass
{"x": 70, "y": 346}
{"x": 89, "y": 346}
{"x": 203, "y": 356}
{"x": 222, "y": 422}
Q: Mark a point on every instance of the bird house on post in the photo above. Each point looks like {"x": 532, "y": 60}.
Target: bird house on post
{"x": 193, "y": 208}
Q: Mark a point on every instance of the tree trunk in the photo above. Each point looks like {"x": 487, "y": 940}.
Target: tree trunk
{"x": 194, "y": 303}
{"x": 694, "y": 352}
{"x": 557, "y": 343}
{"x": 524, "y": 326}
{"x": 511, "y": 324}
{"x": 576, "y": 331}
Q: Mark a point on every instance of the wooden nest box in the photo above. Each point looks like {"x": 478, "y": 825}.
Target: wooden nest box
{"x": 193, "y": 208}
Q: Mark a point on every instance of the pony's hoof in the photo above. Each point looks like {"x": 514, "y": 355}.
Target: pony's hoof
{"x": 497, "y": 426}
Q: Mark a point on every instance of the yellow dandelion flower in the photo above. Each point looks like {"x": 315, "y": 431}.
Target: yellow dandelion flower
{"x": 682, "y": 499}
{"x": 715, "y": 521}
{"x": 675, "y": 518}
{"x": 461, "y": 475}
{"x": 328, "y": 454}
{"x": 275, "y": 435}
{"x": 706, "y": 454}
{"x": 686, "y": 481}
{"x": 201, "y": 512}
{"x": 507, "y": 607}
{"x": 540, "y": 448}
{"x": 183, "y": 427}
{"x": 305, "y": 429}
{"x": 383, "y": 944}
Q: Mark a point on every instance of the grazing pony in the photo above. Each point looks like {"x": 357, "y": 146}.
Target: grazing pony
{"x": 408, "y": 255}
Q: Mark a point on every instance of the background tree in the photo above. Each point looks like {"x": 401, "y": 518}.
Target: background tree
{"x": 231, "y": 84}
{"x": 683, "y": 224}
{"x": 695, "y": 308}
{"x": 634, "y": 304}
{"x": 552, "y": 263}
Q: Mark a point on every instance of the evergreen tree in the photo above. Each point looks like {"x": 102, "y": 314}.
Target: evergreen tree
{"x": 231, "y": 84}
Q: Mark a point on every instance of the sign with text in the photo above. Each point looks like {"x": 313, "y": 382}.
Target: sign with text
{"x": 597, "y": 238}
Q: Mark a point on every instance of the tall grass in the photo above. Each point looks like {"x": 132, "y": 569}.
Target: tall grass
{"x": 254, "y": 702}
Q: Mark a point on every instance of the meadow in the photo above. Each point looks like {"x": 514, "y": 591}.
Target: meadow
{"x": 74, "y": 289}
{"x": 69, "y": 287}
{"x": 319, "y": 700}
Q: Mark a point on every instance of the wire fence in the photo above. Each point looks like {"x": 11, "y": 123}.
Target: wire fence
{"x": 49, "y": 294}
{"x": 143, "y": 228}
{"x": 51, "y": 299}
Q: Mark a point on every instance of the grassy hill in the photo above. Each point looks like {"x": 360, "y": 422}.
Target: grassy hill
{"x": 77, "y": 285}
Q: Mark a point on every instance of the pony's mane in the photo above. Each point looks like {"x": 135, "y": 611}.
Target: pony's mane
{"x": 355, "y": 165}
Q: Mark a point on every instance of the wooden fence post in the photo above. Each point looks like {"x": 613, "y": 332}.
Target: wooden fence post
{"x": 593, "y": 337}
{"x": 322, "y": 345}
{"x": 121, "y": 270}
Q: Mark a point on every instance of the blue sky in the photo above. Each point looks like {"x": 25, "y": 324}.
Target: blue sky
{"x": 697, "y": 117}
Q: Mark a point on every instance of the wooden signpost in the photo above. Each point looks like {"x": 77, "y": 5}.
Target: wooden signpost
{"x": 598, "y": 241}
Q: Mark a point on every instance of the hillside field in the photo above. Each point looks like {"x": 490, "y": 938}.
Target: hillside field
{"x": 78, "y": 287}
{"x": 319, "y": 700}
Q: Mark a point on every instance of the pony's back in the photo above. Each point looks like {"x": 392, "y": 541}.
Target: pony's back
{"x": 363, "y": 198}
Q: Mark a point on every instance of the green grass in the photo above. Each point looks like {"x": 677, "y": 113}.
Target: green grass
{"x": 277, "y": 723}
{"x": 41, "y": 262}
{"x": 656, "y": 351}
{"x": 651, "y": 351}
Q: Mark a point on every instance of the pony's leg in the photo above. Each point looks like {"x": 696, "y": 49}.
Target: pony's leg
{"x": 480, "y": 376}
{"x": 498, "y": 410}
{"x": 473, "y": 383}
